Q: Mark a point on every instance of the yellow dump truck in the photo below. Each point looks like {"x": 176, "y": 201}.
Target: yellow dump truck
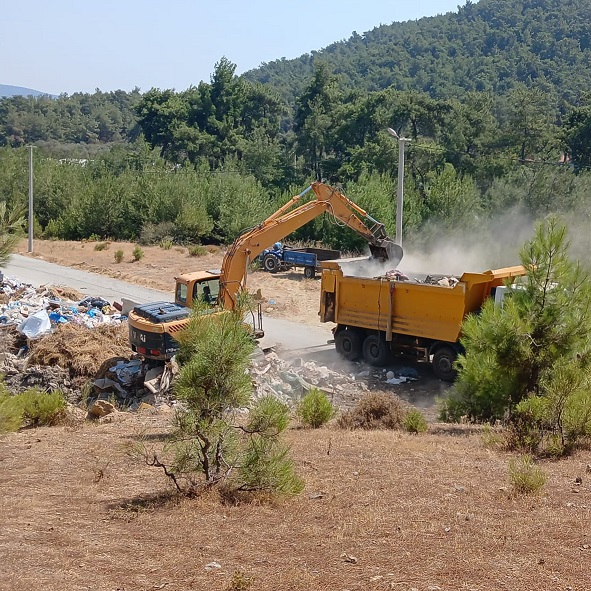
{"x": 378, "y": 316}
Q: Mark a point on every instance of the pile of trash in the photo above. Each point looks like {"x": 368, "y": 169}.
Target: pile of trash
{"x": 37, "y": 311}
{"x": 450, "y": 281}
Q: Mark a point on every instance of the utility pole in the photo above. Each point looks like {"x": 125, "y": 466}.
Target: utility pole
{"x": 400, "y": 192}
{"x": 30, "y": 198}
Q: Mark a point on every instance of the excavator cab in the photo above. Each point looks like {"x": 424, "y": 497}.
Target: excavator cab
{"x": 203, "y": 286}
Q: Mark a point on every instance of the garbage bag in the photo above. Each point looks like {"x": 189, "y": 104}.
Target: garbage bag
{"x": 35, "y": 325}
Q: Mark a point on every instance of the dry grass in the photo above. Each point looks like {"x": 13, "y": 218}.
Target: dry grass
{"x": 423, "y": 513}
{"x": 81, "y": 350}
{"x": 374, "y": 410}
{"x": 66, "y": 293}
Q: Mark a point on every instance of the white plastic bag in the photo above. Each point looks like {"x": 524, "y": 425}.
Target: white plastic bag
{"x": 35, "y": 325}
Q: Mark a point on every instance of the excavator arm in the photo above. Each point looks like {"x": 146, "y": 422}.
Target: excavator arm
{"x": 285, "y": 221}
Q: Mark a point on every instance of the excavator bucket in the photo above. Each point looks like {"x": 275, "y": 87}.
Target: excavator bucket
{"x": 386, "y": 250}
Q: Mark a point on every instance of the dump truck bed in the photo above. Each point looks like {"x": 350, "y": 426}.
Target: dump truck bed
{"x": 424, "y": 310}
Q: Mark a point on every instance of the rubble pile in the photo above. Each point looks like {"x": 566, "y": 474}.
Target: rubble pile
{"x": 345, "y": 384}
{"x": 19, "y": 376}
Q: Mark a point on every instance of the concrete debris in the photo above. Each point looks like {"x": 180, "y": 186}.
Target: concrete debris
{"x": 289, "y": 381}
{"x": 101, "y": 408}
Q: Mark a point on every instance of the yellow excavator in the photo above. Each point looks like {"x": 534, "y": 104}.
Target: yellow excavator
{"x": 152, "y": 326}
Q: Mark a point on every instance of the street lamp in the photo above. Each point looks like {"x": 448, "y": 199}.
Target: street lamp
{"x": 400, "y": 193}
{"x": 30, "y": 198}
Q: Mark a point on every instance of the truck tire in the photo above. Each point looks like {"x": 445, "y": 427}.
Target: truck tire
{"x": 443, "y": 363}
{"x": 309, "y": 272}
{"x": 271, "y": 264}
{"x": 376, "y": 350}
{"x": 348, "y": 344}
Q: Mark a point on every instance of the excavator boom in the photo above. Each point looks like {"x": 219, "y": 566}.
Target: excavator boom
{"x": 285, "y": 221}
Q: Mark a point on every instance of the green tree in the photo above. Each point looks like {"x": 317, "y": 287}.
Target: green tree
{"x": 211, "y": 445}
{"x": 577, "y": 136}
{"x": 530, "y": 360}
{"x": 315, "y": 118}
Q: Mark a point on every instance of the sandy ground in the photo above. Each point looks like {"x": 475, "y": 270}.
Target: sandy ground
{"x": 285, "y": 295}
{"x": 380, "y": 511}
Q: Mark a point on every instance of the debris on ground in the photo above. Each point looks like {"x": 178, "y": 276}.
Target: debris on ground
{"x": 37, "y": 311}
{"x": 289, "y": 381}
{"x": 54, "y": 338}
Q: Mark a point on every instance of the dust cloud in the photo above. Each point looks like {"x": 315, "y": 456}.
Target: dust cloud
{"x": 495, "y": 243}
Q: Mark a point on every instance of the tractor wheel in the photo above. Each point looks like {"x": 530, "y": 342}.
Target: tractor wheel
{"x": 271, "y": 264}
{"x": 309, "y": 272}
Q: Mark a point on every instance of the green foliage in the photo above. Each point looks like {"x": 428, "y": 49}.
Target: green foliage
{"x": 32, "y": 408}
{"x": 118, "y": 256}
{"x": 102, "y": 246}
{"x": 211, "y": 444}
{"x": 525, "y": 477}
{"x": 267, "y": 466}
{"x": 268, "y": 416}
{"x": 42, "y": 408}
{"x": 315, "y": 409}
{"x": 166, "y": 243}
{"x": 414, "y": 422}
{"x": 374, "y": 411}
{"x": 11, "y": 412}
{"x": 137, "y": 253}
{"x": 530, "y": 361}
{"x": 197, "y": 250}
{"x": 11, "y": 223}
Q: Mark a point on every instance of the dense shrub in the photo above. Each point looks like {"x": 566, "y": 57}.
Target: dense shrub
{"x": 374, "y": 411}
{"x": 315, "y": 409}
{"x": 32, "y": 407}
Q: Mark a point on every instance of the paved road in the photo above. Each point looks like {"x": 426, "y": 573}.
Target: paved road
{"x": 283, "y": 334}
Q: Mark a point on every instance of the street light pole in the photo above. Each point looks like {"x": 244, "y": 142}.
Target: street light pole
{"x": 30, "y": 198}
{"x": 400, "y": 192}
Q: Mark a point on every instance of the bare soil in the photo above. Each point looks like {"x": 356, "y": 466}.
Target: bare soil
{"x": 381, "y": 510}
{"x": 285, "y": 295}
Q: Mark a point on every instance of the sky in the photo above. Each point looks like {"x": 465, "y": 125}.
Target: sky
{"x": 65, "y": 47}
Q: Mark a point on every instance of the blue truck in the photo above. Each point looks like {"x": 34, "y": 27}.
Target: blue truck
{"x": 281, "y": 258}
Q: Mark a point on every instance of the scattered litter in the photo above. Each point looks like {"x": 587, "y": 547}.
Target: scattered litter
{"x": 213, "y": 565}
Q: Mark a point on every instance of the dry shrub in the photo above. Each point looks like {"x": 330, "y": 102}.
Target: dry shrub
{"x": 66, "y": 293}
{"x": 374, "y": 411}
{"x": 81, "y": 350}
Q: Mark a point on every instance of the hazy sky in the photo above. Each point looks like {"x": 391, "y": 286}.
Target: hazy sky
{"x": 64, "y": 46}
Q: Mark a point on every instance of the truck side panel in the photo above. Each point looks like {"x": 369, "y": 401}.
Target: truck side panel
{"x": 427, "y": 311}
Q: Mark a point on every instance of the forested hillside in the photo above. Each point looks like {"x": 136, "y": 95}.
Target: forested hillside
{"x": 486, "y": 46}
{"x": 492, "y": 130}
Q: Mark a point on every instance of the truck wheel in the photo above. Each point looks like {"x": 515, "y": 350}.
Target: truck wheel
{"x": 271, "y": 264}
{"x": 309, "y": 272}
{"x": 375, "y": 350}
{"x": 443, "y": 364}
{"x": 348, "y": 344}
